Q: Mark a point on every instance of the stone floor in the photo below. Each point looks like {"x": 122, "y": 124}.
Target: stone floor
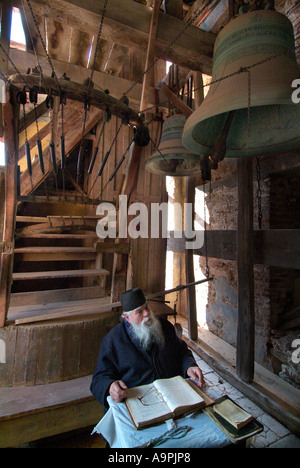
{"x": 275, "y": 435}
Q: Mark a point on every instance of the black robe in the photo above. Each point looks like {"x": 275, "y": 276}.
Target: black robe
{"x": 122, "y": 358}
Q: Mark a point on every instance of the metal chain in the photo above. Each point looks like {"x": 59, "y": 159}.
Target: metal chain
{"x": 4, "y": 77}
{"x": 14, "y": 67}
{"x": 87, "y": 98}
{"x": 43, "y": 44}
{"x": 240, "y": 70}
{"x": 160, "y": 153}
{"x": 114, "y": 172}
{"x": 97, "y": 43}
{"x": 106, "y": 157}
{"x": 259, "y": 193}
{"x": 39, "y": 67}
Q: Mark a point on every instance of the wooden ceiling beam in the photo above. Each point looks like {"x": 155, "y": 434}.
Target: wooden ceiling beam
{"x": 117, "y": 86}
{"x": 77, "y": 92}
{"x": 128, "y": 23}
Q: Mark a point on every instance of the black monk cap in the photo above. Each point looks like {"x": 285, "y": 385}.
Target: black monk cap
{"x": 132, "y": 299}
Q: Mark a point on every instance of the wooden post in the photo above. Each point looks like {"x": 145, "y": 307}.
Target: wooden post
{"x": 150, "y": 55}
{"x": 189, "y": 268}
{"x": 5, "y": 27}
{"x": 246, "y": 313}
{"x": 11, "y": 120}
{"x": 189, "y": 256}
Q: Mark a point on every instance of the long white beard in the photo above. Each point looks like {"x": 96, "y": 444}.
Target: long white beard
{"x": 148, "y": 334}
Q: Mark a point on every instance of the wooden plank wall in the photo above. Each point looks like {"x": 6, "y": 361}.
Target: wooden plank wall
{"x": 148, "y": 255}
{"x": 53, "y": 352}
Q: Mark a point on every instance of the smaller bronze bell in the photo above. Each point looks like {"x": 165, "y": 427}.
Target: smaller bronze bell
{"x": 172, "y": 158}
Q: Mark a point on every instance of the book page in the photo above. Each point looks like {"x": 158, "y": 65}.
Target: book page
{"x": 177, "y": 392}
{"x": 146, "y": 404}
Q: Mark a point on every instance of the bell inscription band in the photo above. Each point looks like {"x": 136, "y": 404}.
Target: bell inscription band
{"x": 262, "y": 40}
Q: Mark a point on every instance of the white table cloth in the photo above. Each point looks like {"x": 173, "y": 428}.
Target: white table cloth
{"x": 117, "y": 428}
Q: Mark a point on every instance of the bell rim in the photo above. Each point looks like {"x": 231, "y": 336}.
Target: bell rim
{"x": 235, "y": 152}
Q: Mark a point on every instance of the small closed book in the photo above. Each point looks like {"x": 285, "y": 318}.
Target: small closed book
{"x": 236, "y": 423}
{"x": 235, "y": 415}
{"x": 162, "y": 400}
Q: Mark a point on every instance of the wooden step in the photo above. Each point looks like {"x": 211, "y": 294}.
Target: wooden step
{"x": 35, "y": 275}
{"x": 49, "y": 249}
{"x": 56, "y": 236}
{"x": 59, "y": 225}
{"x": 58, "y": 310}
{"x": 55, "y": 295}
{"x": 32, "y": 254}
{"x": 45, "y": 219}
{"x": 31, "y": 219}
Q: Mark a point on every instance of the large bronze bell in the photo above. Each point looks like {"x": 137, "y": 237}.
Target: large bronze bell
{"x": 172, "y": 158}
{"x": 264, "y": 41}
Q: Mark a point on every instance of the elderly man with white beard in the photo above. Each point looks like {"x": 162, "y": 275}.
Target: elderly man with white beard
{"x": 139, "y": 350}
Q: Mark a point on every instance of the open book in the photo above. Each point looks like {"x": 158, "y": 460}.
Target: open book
{"x": 162, "y": 400}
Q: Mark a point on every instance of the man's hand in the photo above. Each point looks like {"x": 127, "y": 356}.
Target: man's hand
{"x": 195, "y": 373}
{"x": 117, "y": 391}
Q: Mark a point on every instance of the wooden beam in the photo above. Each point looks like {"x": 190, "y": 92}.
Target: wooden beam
{"x": 41, "y": 109}
{"x": 173, "y": 8}
{"x": 189, "y": 255}
{"x": 273, "y": 247}
{"x": 5, "y": 27}
{"x": 112, "y": 247}
{"x": 117, "y": 86}
{"x": 35, "y": 275}
{"x": 77, "y": 92}
{"x": 246, "y": 312}
{"x": 150, "y": 55}
{"x": 189, "y": 268}
{"x": 186, "y": 110}
{"x": 127, "y": 23}
{"x": 11, "y": 119}
{"x": 74, "y": 199}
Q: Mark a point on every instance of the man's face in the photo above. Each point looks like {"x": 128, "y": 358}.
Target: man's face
{"x": 138, "y": 315}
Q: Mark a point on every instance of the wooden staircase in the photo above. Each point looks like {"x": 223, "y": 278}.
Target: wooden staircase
{"x": 57, "y": 270}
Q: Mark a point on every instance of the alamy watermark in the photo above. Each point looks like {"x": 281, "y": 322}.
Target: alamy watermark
{"x": 296, "y": 353}
{"x": 112, "y": 225}
{"x": 296, "y": 93}
{"x": 2, "y": 92}
{"x": 2, "y": 352}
